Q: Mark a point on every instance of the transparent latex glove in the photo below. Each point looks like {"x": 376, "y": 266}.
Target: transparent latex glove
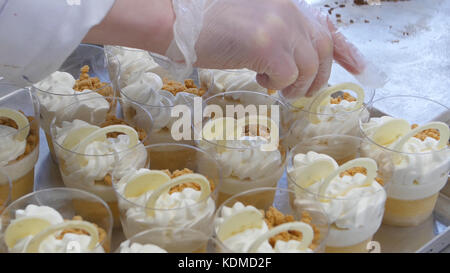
{"x": 289, "y": 44}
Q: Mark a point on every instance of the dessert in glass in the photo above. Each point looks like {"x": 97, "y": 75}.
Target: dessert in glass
{"x": 91, "y": 135}
{"x": 163, "y": 193}
{"x": 19, "y": 138}
{"x": 227, "y": 80}
{"x": 244, "y": 225}
{"x": 332, "y": 110}
{"x": 141, "y": 82}
{"x": 417, "y": 144}
{"x": 352, "y": 193}
{"x": 168, "y": 240}
{"x": 5, "y": 191}
{"x": 249, "y": 145}
{"x": 49, "y": 221}
{"x": 83, "y": 75}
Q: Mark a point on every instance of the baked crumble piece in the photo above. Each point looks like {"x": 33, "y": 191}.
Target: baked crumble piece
{"x": 181, "y": 187}
{"x": 92, "y": 83}
{"x": 345, "y": 96}
{"x": 362, "y": 170}
{"x": 32, "y": 138}
{"x": 189, "y": 86}
{"x": 101, "y": 231}
{"x": 113, "y": 120}
{"x": 273, "y": 217}
{"x": 433, "y": 133}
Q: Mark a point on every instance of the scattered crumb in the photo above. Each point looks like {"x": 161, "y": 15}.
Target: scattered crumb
{"x": 362, "y": 170}
{"x": 181, "y": 187}
{"x": 92, "y": 83}
{"x": 338, "y": 15}
{"x": 101, "y": 231}
{"x": 366, "y": 21}
{"x": 433, "y": 133}
{"x": 271, "y": 91}
{"x": 395, "y": 41}
{"x": 351, "y": 21}
{"x": 345, "y": 96}
{"x": 257, "y": 130}
{"x": 274, "y": 217}
{"x": 189, "y": 86}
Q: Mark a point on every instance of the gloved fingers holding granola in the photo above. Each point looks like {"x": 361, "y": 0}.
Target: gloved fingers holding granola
{"x": 289, "y": 45}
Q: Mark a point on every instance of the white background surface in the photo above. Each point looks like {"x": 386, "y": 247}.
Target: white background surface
{"x": 408, "y": 40}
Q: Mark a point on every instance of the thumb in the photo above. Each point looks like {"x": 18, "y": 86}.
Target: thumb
{"x": 281, "y": 73}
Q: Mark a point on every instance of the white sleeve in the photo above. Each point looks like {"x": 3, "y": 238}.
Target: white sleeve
{"x": 36, "y": 36}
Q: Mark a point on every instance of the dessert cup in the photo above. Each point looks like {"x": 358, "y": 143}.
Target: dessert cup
{"x": 146, "y": 201}
{"x": 5, "y": 191}
{"x": 420, "y": 156}
{"x": 351, "y": 189}
{"x": 144, "y": 82}
{"x": 169, "y": 240}
{"x": 61, "y": 89}
{"x": 242, "y": 220}
{"x": 333, "y": 110}
{"x": 88, "y": 144}
{"x": 43, "y": 210}
{"x": 19, "y": 137}
{"x": 243, "y": 149}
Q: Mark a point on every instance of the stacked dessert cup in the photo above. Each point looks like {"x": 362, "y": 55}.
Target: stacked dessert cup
{"x": 19, "y": 138}
{"x": 417, "y": 143}
{"x": 88, "y": 144}
{"x": 180, "y": 193}
{"x": 351, "y": 189}
{"x": 243, "y": 224}
{"x": 51, "y": 221}
{"x": 332, "y": 110}
{"x": 250, "y": 145}
{"x": 83, "y": 75}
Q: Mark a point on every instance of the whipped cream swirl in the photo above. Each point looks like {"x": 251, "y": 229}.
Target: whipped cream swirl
{"x": 129, "y": 247}
{"x": 52, "y": 244}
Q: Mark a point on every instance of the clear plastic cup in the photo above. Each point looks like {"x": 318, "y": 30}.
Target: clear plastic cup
{"x": 54, "y": 101}
{"x": 5, "y": 191}
{"x": 308, "y": 123}
{"x": 354, "y": 216}
{"x": 417, "y": 177}
{"x": 135, "y": 213}
{"x": 305, "y": 210}
{"x": 171, "y": 240}
{"x": 160, "y": 103}
{"x": 19, "y": 148}
{"x": 247, "y": 164}
{"x": 68, "y": 203}
{"x": 91, "y": 169}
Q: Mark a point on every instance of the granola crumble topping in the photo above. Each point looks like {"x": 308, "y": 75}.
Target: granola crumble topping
{"x": 362, "y": 170}
{"x": 113, "y": 120}
{"x": 273, "y": 218}
{"x": 101, "y": 231}
{"x": 345, "y": 96}
{"x": 181, "y": 187}
{"x": 189, "y": 86}
{"x": 433, "y": 133}
{"x": 92, "y": 83}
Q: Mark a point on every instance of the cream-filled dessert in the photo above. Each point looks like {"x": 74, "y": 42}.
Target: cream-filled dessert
{"x": 232, "y": 80}
{"x": 19, "y": 151}
{"x": 155, "y": 198}
{"x": 326, "y": 113}
{"x": 351, "y": 195}
{"x": 245, "y": 162}
{"x": 246, "y": 229}
{"x": 129, "y": 247}
{"x": 419, "y": 159}
{"x": 61, "y": 89}
{"x": 87, "y": 154}
{"x": 42, "y": 229}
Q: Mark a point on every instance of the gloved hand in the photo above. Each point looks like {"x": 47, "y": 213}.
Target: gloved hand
{"x": 290, "y": 45}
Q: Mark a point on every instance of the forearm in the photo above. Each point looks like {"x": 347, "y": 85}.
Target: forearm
{"x": 145, "y": 24}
